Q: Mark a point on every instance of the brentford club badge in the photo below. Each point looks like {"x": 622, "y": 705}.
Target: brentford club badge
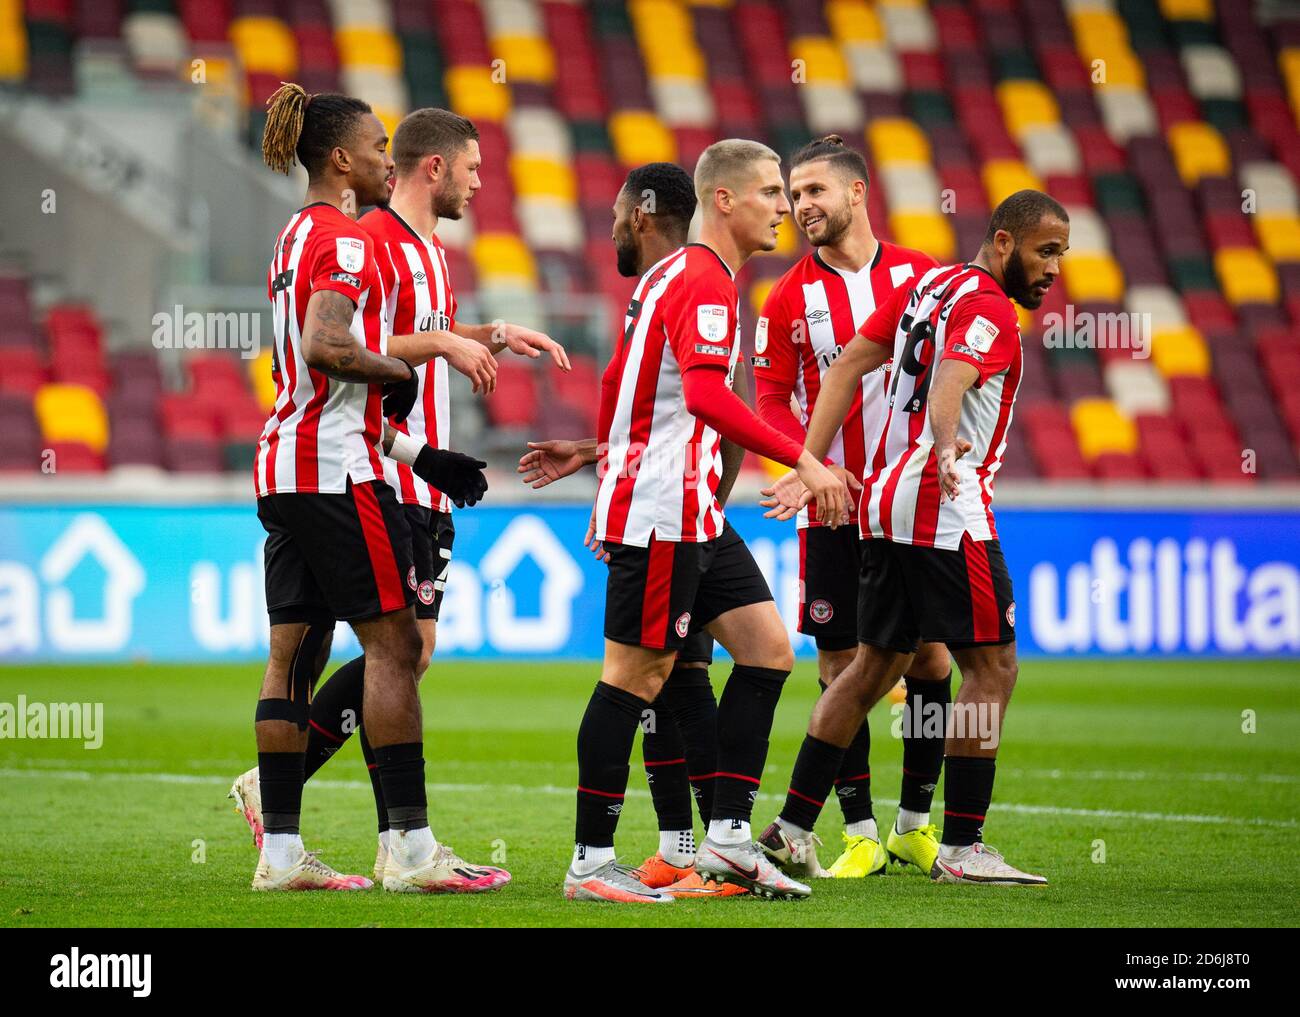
{"x": 821, "y": 611}
{"x": 1011, "y": 614}
{"x": 684, "y": 624}
{"x": 425, "y": 592}
{"x": 411, "y": 581}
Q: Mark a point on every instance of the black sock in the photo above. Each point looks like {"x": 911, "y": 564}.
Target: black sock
{"x": 967, "y": 791}
{"x": 335, "y": 713}
{"x": 812, "y": 780}
{"x": 401, "y": 775}
{"x": 688, "y": 696}
{"x": 853, "y": 782}
{"x": 280, "y": 777}
{"x": 376, "y": 784}
{"x": 745, "y": 715}
{"x": 604, "y": 748}
{"x": 924, "y": 723}
{"x": 665, "y": 768}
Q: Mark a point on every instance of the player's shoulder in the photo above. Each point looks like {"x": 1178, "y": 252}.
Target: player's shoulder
{"x": 895, "y": 255}
{"x": 986, "y": 299}
{"x": 791, "y": 281}
{"x": 704, "y": 266}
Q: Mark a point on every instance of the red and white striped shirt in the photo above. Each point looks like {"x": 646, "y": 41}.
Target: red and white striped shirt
{"x": 807, "y": 318}
{"x": 663, "y": 465}
{"x": 419, "y": 299}
{"x": 321, "y": 432}
{"x": 972, "y": 320}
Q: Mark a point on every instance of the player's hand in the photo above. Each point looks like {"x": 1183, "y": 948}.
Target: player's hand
{"x": 785, "y": 498}
{"x": 949, "y": 478}
{"x": 549, "y": 461}
{"x": 400, "y": 396}
{"x": 529, "y": 343}
{"x": 597, "y": 548}
{"x": 830, "y": 491}
{"x": 458, "y": 476}
{"x": 474, "y": 361}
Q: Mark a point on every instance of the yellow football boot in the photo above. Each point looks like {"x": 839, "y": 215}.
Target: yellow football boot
{"x": 919, "y": 847}
{"x": 862, "y": 857}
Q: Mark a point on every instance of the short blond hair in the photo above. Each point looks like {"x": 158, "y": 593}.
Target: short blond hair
{"x": 728, "y": 164}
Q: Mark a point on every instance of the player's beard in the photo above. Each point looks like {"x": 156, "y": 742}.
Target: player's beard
{"x": 837, "y": 224}
{"x": 1016, "y": 283}
{"x": 628, "y": 257}
{"x": 447, "y": 204}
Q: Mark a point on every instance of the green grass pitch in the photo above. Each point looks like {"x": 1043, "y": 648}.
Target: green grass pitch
{"x": 1130, "y": 784}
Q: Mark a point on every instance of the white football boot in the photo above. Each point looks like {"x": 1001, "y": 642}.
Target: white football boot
{"x": 747, "y": 865}
{"x": 308, "y": 873}
{"x": 620, "y": 884}
{"x": 979, "y": 863}
{"x": 796, "y": 856}
{"x": 247, "y": 795}
{"x": 444, "y": 871}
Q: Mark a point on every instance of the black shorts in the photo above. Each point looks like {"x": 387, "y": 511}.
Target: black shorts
{"x": 828, "y": 585}
{"x": 336, "y": 556}
{"x": 698, "y": 649}
{"x": 432, "y": 534}
{"x": 657, "y": 596}
{"x": 907, "y": 594}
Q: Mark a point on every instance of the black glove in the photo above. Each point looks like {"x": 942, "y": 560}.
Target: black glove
{"x": 400, "y": 396}
{"x": 458, "y": 476}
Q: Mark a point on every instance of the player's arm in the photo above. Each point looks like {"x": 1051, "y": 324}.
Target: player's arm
{"x": 464, "y": 356}
{"x": 951, "y": 380}
{"x": 458, "y": 476}
{"x": 545, "y": 462}
{"x": 525, "y": 342}
{"x": 733, "y": 456}
{"x": 329, "y": 346}
{"x": 776, "y": 367}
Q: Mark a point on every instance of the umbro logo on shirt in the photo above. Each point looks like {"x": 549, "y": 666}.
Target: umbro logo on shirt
{"x": 419, "y": 276}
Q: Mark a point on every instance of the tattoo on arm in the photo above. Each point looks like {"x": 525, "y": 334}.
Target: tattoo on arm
{"x": 330, "y": 347}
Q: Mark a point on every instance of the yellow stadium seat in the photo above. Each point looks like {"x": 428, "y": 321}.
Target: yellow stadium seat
{"x": 368, "y": 47}
{"x": 930, "y": 232}
{"x": 536, "y": 177}
{"x": 502, "y": 257}
{"x": 1100, "y": 428}
{"x": 758, "y": 294}
{"x": 1099, "y": 32}
{"x": 1003, "y": 177}
{"x": 1199, "y": 151}
{"x": 854, "y": 21}
{"x": 72, "y": 413}
{"x": 1187, "y": 10}
{"x": 1027, "y": 104}
{"x": 896, "y": 140}
{"x": 787, "y": 238}
{"x": 1279, "y": 235}
{"x": 665, "y": 32}
{"x": 1092, "y": 277}
{"x": 683, "y": 62}
{"x": 820, "y": 60}
{"x": 527, "y": 58}
{"x": 1179, "y": 351}
{"x": 639, "y": 137}
{"x": 473, "y": 93}
{"x": 259, "y": 373}
{"x": 265, "y": 45}
{"x": 13, "y": 45}
{"x": 1122, "y": 69}
{"x": 1246, "y": 276}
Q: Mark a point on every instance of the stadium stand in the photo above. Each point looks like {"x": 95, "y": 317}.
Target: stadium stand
{"x": 1168, "y": 128}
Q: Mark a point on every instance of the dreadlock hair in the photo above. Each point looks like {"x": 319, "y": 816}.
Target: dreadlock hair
{"x": 832, "y": 148}
{"x": 309, "y": 127}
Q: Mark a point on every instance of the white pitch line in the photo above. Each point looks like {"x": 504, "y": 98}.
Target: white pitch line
{"x": 552, "y": 789}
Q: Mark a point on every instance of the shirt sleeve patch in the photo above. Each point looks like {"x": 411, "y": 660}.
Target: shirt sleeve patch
{"x": 760, "y": 361}
{"x": 981, "y": 333}
{"x": 345, "y": 277}
{"x": 965, "y": 350}
{"x": 351, "y": 253}
{"x": 713, "y": 349}
{"x": 760, "y": 336}
{"x": 711, "y": 322}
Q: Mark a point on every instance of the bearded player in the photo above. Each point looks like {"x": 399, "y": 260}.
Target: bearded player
{"x": 932, "y": 565}
{"x": 810, "y": 311}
